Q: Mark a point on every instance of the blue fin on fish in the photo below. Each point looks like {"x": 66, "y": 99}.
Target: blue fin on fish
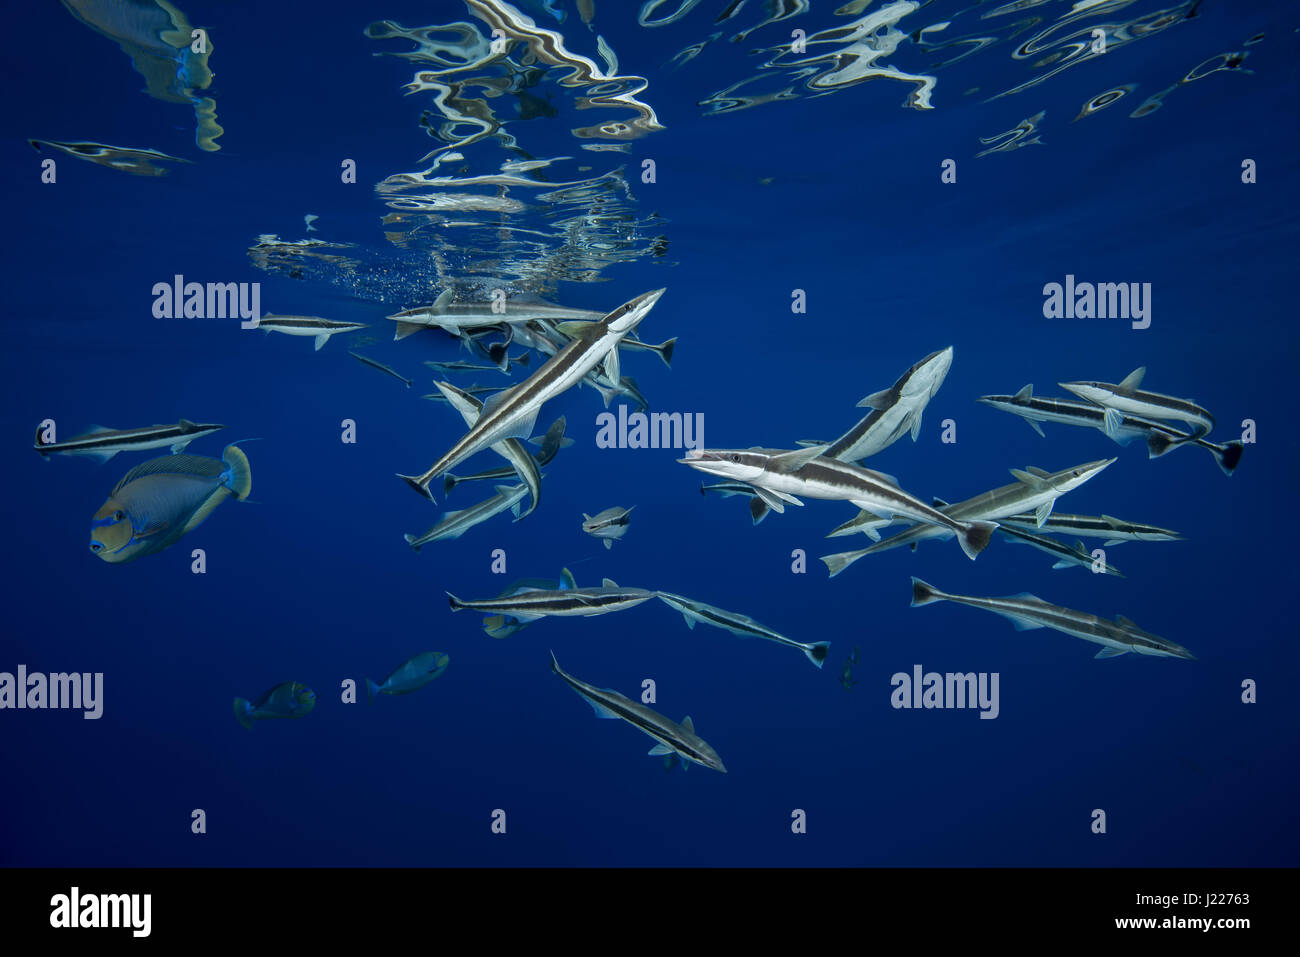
{"x": 877, "y": 400}
{"x": 690, "y": 622}
{"x": 1061, "y": 564}
{"x": 1044, "y": 510}
{"x": 1025, "y": 624}
{"x": 600, "y": 709}
{"x": 566, "y": 580}
{"x": 608, "y": 583}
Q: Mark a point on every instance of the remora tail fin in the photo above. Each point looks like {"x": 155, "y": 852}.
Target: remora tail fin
{"x": 923, "y": 593}
{"x": 974, "y": 538}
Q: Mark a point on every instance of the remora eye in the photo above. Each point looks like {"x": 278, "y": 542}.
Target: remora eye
{"x": 735, "y": 457}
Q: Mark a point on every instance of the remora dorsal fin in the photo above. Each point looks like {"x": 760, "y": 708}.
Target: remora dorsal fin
{"x": 794, "y": 460}
{"x": 1026, "y": 392}
{"x": 1132, "y": 380}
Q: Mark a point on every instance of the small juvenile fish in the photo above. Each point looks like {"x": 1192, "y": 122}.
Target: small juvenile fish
{"x": 102, "y": 444}
{"x": 292, "y": 699}
{"x": 608, "y": 525}
{"x": 160, "y": 500}
{"x": 380, "y": 366}
{"x": 410, "y": 675}
{"x": 319, "y": 329}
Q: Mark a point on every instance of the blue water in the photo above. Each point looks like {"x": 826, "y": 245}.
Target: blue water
{"x": 312, "y": 582}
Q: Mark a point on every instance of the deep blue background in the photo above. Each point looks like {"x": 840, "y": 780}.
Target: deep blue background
{"x": 314, "y": 584}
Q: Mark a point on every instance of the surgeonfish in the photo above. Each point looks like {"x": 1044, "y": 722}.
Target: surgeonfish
{"x": 292, "y": 699}
{"x": 410, "y": 676}
{"x": 160, "y": 500}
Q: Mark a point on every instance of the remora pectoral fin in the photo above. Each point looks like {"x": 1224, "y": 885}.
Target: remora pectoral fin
{"x": 1044, "y": 510}
{"x": 1036, "y": 426}
{"x": 1112, "y": 419}
{"x": 1111, "y": 652}
{"x": 877, "y": 400}
{"x": 916, "y": 424}
{"x": 660, "y": 749}
{"x": 770, "y": 500}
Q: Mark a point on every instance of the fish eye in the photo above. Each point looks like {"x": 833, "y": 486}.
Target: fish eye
{"x": 95, "y": 546}
{"x": 735, "y": 457}
{"x": 119, "y": 515}
{"x": 1076, "y": 473}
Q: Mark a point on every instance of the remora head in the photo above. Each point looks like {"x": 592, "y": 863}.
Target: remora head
{"x": 1095, "y": 392}
{"x": 739, "y": 465}
{"x": 1067, "y": 479}
{"x": 629, "y": 315}
{"x": 928, "y": 374}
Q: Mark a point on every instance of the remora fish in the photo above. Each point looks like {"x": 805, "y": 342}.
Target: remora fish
{"x": 456, "y": 524}
{"x": 453, "y": 316}
{"x": 512, "y": 450}
{"x": 410, "y": 676}
{"x": 550, "y": 444}
{"x": 537, "y": 603}
{"x": 1126, "y": 397}
{"x": 365, "y": 361}
{"x": 894, "y": 411}
{"x": 512, "y": 413}
{"x": 460, "y": 365}
{"x": 780, "y": 476}
{"x": 1027, "y": 612}
{"x": 289, "y": 700}
{"x": 1160, "y": 438}
{"x": 160, "y": 500}
{"x": 319, "y": 329}
{"x": 102, "y": 444}
{"x": 608, "y": 525}
{"x": 674, "y": 739}
{"x": 1034, "y": 489}
{"x": 1115, "y": 531}
{"x": 741, "y": 625}
{"x": 503, "y": 626}
{"x": 1066, "y": 555}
